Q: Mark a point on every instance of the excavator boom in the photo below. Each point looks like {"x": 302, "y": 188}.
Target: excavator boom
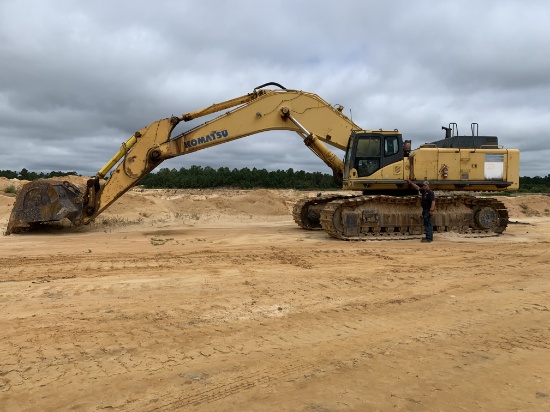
{"x": 259, "y": 111}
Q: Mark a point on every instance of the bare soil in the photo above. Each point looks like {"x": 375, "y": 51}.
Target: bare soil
{"x": 217, "y": 301}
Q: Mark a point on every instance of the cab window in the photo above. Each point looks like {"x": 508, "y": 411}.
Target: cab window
{"x": 368, "y": 147}
{"x": 391, "y": 145}
{"x": 367, "y": 156}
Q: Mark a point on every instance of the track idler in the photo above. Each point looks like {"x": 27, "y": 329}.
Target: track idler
{"x": 307, "y": 211}
{"x": 45, "y": 201}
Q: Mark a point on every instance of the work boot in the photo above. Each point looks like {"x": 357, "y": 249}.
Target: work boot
{"x": 426, "y": 240}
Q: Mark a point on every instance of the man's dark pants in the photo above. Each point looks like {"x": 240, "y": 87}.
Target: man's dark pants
{"x": 428, "y": 224}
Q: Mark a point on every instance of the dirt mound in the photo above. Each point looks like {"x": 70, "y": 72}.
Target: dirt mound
{"x": 6, "y": 183}
{"x": 17, "y": 184}
{"x": 191, "y": 206}
{"x": 527, "y": 206}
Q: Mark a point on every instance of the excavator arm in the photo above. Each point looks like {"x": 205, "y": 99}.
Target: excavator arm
{"x": 313, "y": 119}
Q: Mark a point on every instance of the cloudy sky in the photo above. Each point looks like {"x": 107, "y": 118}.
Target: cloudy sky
{"x": 77, "y": 78}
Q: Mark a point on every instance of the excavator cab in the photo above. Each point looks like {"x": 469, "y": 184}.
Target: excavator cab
{"x": 368, "y": 152}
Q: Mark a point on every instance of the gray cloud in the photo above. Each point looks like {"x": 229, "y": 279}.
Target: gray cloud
{"x": 78, "y": 78}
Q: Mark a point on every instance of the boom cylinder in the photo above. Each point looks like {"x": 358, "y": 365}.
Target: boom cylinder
{"x": 121, "y": 152}
{"x": 311, "y": 141}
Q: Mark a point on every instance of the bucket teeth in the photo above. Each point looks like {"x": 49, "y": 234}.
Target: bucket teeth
{"x": 45, "y": 201}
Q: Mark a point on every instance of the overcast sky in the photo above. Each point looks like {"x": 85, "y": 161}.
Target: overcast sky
{"x": 77, "y": 78}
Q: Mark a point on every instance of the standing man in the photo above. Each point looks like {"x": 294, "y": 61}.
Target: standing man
{"x": 428, "y": 208}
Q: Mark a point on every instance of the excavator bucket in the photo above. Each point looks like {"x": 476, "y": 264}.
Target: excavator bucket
{"x": 45, "y": 201}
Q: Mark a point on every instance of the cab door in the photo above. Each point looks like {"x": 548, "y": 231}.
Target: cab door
{"x": 367, "y": 158}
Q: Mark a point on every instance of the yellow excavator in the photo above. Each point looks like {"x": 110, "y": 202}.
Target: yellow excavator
{"x": 377, "y": 164}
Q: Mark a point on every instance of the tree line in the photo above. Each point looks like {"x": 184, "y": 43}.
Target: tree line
{"x": 197, "y": 177}
{"x": 207, "y": 177}
{"x": 24, "y": 174}
{"x": 535, "y": 184}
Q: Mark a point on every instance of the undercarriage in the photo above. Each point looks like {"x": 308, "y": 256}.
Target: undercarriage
{"x": 378, "y": 217}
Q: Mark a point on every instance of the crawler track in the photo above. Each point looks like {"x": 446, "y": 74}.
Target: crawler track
{"x": 388, "y": 217}
{"x": 307, "y": 211}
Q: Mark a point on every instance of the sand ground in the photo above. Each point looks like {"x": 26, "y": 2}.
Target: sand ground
{"x": 217, "y": 301}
